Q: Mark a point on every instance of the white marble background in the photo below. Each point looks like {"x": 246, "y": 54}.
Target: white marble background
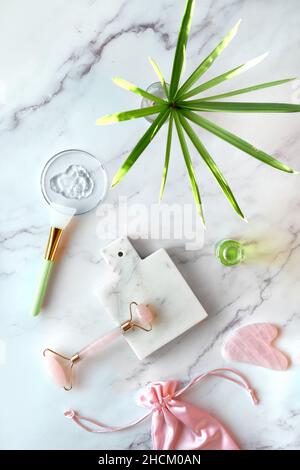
{"x": 57, "y": 59}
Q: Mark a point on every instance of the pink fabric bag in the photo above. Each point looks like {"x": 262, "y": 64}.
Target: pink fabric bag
{"x": 176, "y": 424}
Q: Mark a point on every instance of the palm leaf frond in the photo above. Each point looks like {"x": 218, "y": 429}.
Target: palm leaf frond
{"x": 208, "y": 61}
{"x": 239, "y": 107}
{"x": 132, "y": 114}
{"x": 180, "y": 52}
{"x": 176, "y": 105}
{"x": 236, "y": 141}
{"x": 141, "y": 145}
{"x": 160, "y": 76}
{"x": 211, "y": 165}
{"x": 248, "y": 89}
{"x": 224, "y": 76}
{"x": 139, "y": 91}
{"x": 167, "y": 157}
{"x": 189, "y": 166}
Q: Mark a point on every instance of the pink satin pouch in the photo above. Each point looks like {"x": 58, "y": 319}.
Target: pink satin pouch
{"x": 176, "y": 424}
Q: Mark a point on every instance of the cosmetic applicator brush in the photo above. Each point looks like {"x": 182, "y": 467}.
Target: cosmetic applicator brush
{"x": 60, "y": 217}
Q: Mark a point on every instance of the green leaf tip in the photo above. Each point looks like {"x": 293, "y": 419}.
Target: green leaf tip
{"x": 159, "y": 75}
{"x": 236, "y": 141}
{"x": 115, "y": 181}
{"x": 208, "y": 61}
{"x": 116, "y": 79}
{"x": 211, "y": 165}
{"x": 256, "y": 60}
{"x": 248, "y": 89}
{"x": 132, "y": 114}
{"x": 224, "y": 76}
{"x": 139, "y": 91}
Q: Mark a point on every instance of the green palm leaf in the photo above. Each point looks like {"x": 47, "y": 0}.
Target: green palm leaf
{"x": 178, "y": 108}
{"x": 208, "y": 61}
{"x": 160, "y": 75}
{"x": 224, "y": 76}
{"x": 211, "y": 165}
{"x": 179, "y": 57}
{"x": 132, "y": 114}
{"x": 235, "y": 107}
{"x": 236, "y": 141}
{"x": 167, "y": 156}
{"x": 189, "y": 166}
{"x": 248, "y": 89}
{"x": 135, "y": 89}
{"x": 141, "y": 145}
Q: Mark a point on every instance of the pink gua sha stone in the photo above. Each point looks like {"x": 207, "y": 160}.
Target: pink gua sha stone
{"x": 253, "y": 344}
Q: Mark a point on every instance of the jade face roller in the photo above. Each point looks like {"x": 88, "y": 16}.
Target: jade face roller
{"x": 73, "y": 182}
{"x": 60, "y": 367}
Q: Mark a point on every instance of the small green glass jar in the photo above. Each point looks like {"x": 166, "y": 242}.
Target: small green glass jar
{"x": 230, "y": 252}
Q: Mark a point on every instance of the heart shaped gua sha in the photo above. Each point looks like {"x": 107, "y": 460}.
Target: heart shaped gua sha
{"x": 253, "y": 344}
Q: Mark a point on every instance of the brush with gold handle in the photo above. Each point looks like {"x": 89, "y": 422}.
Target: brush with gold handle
{"x": 60, "y": 216}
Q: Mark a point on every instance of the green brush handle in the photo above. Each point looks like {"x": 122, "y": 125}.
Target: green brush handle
{"x": 42, "y": 287}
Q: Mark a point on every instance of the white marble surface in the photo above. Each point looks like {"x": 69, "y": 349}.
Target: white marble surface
{"x": 57, "y": 59}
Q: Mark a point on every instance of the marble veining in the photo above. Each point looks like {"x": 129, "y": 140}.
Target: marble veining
{"x": 57, "y": 61}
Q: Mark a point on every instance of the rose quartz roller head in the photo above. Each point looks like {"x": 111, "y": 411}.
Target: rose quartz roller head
{"x": 60, "y": 367}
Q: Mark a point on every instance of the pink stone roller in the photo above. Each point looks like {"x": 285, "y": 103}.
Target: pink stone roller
{"x": 60, "y": 367}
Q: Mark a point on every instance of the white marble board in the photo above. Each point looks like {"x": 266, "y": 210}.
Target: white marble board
{"x": 154, "y": 281}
